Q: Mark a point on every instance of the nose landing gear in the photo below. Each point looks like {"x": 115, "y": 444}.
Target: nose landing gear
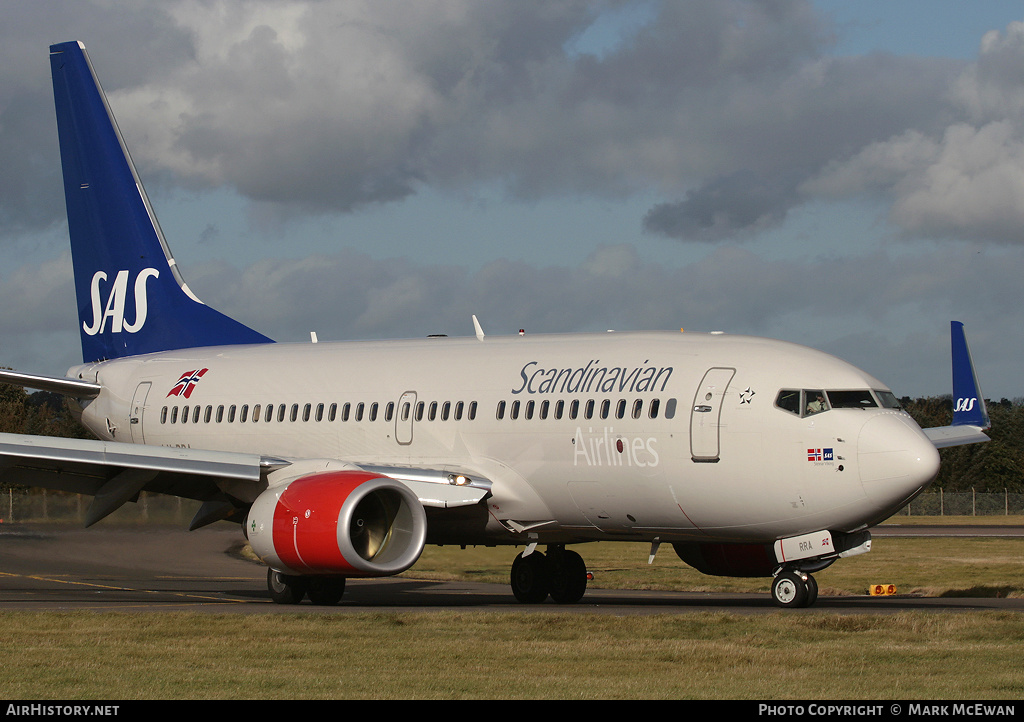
{"x": 793, "y": 588}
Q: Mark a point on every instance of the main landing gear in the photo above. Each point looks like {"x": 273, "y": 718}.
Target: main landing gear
{"x": 793, "y": 588}
{"x": 560, "y": 574}
{"x": 323, "y": 591}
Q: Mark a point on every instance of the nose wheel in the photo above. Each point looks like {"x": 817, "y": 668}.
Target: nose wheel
{"x": 792, "y": 589}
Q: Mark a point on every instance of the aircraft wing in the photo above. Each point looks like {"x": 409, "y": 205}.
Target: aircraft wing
{"x": 114, "y": 473}
{"x": 970, "y": 416}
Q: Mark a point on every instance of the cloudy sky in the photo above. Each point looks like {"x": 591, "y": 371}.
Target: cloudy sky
{"x": 848, "y": 176}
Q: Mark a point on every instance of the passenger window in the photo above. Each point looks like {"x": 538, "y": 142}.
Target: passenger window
{"x": 389, "y": 411}
{"x": 638, "y": 408}
{"x": 606, "y": 406}
{"x": 163, "y": 415}
{"x": 174, "y": 415}
{"x": 419, "y": 411}
{"x": 670, "y": 409}
{"x": 653, "y": 413}
{"x": 243, "y": 417}
{"x": 446, "y": 409}
{"x": 529, "y": 409}
{"x": 432, "y": 414}
{"x": 620, "y": 409}
{"x": 231, "y": 414}
{"x": 500, "y": 412}
{"x": 574, "y": 408}
{"x": 220, "y": 414}
{"x": 359, "y": 411}
{"x": 514, "y": 414}
{"x": 256, "y": 413}
{"x": 588, "y": 411}
{"x": 373, "y": 411}
{"x": 305, "y": 412}
{"x": 559, "y": 409}
{"x": 345, "y": 410}
{"x": 472, "y": 410}
{"x": 319, "y": 412}
{"x": 332, "y": 412}
{"x": 195, "y": 415}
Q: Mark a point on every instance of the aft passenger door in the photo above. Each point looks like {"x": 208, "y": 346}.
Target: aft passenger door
{"x": 137, "y": 412}
{"x": 706, "y": 415}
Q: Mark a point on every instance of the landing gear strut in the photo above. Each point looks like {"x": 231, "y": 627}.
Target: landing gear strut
{"x": 560, "y": 573}
{"x": 793, "y": 588}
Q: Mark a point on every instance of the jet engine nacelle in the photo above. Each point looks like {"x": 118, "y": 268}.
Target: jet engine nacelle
{"x": 728, "y": 560}
{"x": 350, "y": 523}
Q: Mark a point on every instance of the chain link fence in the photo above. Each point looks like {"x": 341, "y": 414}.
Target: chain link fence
{"x": 966, "y": 503}
{"x": 42, "y": 506}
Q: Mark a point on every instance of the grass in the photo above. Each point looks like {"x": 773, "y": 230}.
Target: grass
{"x": 479, "y": 654}
{"x": 462, "y": 655}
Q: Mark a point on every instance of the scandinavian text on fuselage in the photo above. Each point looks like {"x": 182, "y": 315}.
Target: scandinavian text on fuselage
{"x": 592, "y": 378}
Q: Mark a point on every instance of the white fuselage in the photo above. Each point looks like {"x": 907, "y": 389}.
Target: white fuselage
{"x": 594, "y": 436}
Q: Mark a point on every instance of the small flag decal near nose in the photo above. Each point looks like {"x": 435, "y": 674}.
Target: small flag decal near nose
{"x": 186, "y": 383}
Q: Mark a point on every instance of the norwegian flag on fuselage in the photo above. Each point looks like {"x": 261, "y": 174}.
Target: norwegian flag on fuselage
{"x": 186, "y": 383}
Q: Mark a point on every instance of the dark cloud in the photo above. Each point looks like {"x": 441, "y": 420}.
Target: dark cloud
{"x": 743, "y": 203}
{"x": 733, "y": 112}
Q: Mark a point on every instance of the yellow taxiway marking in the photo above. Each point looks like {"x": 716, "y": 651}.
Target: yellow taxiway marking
{"x": 187, "y": 595}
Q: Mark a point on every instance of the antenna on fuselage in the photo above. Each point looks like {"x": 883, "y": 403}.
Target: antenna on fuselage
{"x": 479, "y": 329}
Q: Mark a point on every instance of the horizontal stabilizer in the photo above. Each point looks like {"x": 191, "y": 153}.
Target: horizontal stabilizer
{"x": 943, "y": 436}
{"x": 76, "y": 388}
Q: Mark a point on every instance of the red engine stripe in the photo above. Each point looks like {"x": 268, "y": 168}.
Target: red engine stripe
{"x": 306, "y": 520}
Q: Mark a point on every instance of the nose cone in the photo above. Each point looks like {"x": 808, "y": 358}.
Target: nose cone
{"x": 896, "y": 460}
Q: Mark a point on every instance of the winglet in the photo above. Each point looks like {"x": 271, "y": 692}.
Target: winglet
{"x": 969, "y": 404}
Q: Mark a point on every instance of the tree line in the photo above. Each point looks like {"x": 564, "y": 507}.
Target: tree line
{"x": 991, "y": 467}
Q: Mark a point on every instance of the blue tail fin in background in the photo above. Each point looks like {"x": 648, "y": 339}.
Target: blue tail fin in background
{"x": 131, "y": 297}
{"x": 968, "y": 403}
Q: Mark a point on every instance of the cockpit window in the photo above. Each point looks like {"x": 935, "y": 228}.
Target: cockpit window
{"x": 789, "y": 400}
{"x": 888, "y": 400}
{"x": 852, "y": 399}
{"x": 808, "y": 402}
{"x": 815, "y": 402}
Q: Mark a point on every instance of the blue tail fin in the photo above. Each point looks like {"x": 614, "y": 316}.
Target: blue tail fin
{"x": 968, "y": 403}
{"x": 131, "y": 297}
